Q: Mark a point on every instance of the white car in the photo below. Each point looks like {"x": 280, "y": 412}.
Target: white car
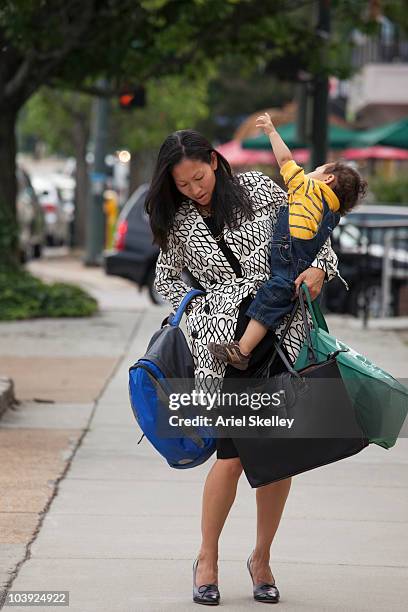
{"x": 56, "y": 218}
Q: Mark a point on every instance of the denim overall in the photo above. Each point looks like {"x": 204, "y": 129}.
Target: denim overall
{"x": 289, "y": 257}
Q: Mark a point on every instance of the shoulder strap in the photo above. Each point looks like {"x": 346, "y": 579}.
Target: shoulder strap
{"x": 175, "y": 319}
{"x": 226, "y": 250}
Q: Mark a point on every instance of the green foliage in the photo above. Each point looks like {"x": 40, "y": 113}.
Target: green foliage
{"x": 50, "y": 116}
{"x": 75, "y": 42}
{"x": 174, "y": 103}
{"x": 71, "y": 44}
{"x": 397, "y": 12}
{"x": 233, "y": 96}
{"x": 8, "y": 232}
{"x": 392, "y": 191}
{"x": 22, "y": 296}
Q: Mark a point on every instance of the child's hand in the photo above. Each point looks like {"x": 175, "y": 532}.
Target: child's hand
{"x": 265, "y": 122}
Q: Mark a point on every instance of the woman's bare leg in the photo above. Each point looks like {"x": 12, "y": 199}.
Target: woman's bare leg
{"x": 218, "y": 496}
{"x": 270, "y": 500}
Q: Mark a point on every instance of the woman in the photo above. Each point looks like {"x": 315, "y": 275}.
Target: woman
{"x": 219, "y": 227}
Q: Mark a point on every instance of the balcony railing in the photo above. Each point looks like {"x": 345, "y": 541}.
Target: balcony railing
{"x": 378, "y": 51}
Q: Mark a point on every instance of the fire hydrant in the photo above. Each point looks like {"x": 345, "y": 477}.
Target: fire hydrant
{"x": 111, "y": 210}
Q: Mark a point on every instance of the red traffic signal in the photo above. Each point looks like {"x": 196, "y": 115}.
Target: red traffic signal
{"x": 133, "y": 98}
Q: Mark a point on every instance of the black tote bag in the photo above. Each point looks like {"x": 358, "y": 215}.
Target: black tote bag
{"x": 266, "y": 458}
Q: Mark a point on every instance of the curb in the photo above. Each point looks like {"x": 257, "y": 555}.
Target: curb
{"x": 7, "y": 398}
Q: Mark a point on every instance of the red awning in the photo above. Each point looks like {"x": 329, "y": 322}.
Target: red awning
{"x": 376, "y": 152}
{"x": 237, "y": 156}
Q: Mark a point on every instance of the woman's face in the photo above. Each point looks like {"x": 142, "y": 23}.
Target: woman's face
{"x": 196, "y": 179}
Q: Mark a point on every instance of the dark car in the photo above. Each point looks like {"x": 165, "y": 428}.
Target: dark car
{"x": 134, "y": 256}
{"x": 360, "y": 243}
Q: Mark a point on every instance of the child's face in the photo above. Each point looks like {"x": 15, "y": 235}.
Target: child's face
{"x": 322, "y": 173}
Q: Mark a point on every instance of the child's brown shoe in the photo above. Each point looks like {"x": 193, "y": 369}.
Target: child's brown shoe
{"x": 229, "y": 352}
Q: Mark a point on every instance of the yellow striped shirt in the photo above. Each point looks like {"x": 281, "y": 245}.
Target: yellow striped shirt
{"x": 305, "y": 198}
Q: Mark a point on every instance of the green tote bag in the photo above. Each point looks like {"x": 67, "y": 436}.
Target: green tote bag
{"x": 380, "y": 401}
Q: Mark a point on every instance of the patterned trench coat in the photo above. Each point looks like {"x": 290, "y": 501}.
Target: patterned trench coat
{"x": 213, "y": 317}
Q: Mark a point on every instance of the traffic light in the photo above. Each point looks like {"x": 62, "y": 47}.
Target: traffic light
{"x": 134, "y": 97}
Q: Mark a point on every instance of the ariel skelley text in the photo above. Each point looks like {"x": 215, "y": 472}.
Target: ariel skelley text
{"x": 221, "y": 421}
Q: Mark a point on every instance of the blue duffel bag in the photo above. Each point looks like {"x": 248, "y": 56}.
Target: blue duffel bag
{"x": 150, "y": 384}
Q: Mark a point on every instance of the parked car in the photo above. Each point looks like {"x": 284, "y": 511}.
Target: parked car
{"x": 134, "y": 256}
{"x": 56, "y": 219}
{"x": 30, "y": 218}
{"x": 66, "y": 191}
{"x": 361, "y": 252}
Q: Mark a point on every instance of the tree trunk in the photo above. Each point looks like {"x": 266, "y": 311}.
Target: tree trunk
{"x": 81, "y": 135}
{"x": 9, "y": 247}
{"x": 141, "y": 168}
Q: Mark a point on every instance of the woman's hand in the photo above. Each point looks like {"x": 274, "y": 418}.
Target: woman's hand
{"x": 313, "y": 278}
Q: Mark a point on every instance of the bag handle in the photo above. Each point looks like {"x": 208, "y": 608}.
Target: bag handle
{"x": 311, "y": 353}
{"x": 305, "y": 290}
{"x": 175, "y": 318}
{"x": 280, "y": 341}
{"x": 286, "y": 362}
{"x": 277, "y": 345}
{"x": 299, "y": 303}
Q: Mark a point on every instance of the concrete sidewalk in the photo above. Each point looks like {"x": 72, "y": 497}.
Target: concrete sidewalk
{"x": 59, "y": 368}
{"x": 123, "y": 528}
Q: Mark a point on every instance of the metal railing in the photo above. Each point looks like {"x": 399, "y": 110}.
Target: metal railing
{"x": 377, "y": 51}
{"x": 381, "y": 248}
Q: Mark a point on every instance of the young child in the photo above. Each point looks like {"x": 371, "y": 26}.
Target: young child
{"x": 316, "y": 201}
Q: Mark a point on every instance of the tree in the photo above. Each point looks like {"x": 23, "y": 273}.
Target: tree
{"x": 174, "y": 102}
{"x": 68, "y": 43}
{"x": 61, "y": 119}
{"x": 61, "y": 41}
{"x": 233, "y": 95}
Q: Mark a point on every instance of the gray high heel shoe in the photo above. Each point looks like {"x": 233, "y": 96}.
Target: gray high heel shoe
{"x": 207, "y": 594}
{"x": 265, "y": 592}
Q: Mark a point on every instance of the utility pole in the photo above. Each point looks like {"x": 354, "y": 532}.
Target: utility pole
{"x": 320, "y": 116}
{"x": 303, "y": 107}
{"x": 95, "y": 227}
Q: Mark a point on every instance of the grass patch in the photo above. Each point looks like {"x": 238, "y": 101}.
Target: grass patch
{"x": 23, "y": 296}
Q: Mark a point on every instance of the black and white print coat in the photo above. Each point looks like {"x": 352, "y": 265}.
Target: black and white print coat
{"x": 213, "y": 317}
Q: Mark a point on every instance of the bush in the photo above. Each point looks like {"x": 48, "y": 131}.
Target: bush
{"x": 393, "y": 191}
{"x": 23, "y": 296}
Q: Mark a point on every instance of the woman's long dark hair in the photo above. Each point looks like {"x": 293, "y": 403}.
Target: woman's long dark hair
{"x": 230, "y": 200}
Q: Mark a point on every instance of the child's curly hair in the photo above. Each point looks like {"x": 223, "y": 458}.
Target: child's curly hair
{"x": 349, "y": 186}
